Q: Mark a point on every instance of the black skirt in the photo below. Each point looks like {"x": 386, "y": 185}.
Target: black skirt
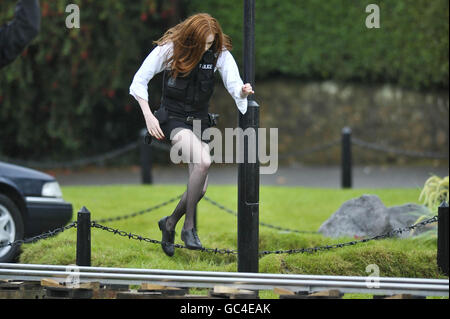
{"x": 171, "y": 124}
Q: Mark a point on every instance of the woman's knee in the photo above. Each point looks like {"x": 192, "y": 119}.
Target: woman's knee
{"x": 206, "y": 156}
{"x": 204, "y": 164}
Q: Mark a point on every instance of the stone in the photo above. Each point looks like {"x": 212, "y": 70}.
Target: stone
{"x": 367, "y": 216}
{"x": 359, "y": 217}
{"x": 408, "y": 215}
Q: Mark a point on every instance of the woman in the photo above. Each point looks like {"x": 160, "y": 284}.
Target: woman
{"x": 188, "y": 54}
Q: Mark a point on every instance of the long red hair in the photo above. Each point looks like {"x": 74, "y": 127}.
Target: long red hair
{"x": 189, "y": 41}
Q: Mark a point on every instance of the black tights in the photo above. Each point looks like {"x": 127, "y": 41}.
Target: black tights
{"x": 197, "y": 184}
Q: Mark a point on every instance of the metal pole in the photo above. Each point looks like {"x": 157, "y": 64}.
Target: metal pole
{"x": 346, "y": 179}
{"x": 146, "y": 159}
{"x": 248, "y": 173}
{"x": 84, "y": 237}
{"x": 443, "y": 244}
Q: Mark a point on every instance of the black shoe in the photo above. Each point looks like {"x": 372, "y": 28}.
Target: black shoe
{"x": 168, "y": 237}
{"x": 191, "y": 239}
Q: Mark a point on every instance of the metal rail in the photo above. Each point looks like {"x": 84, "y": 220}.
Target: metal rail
{"x": 204, "y": 279}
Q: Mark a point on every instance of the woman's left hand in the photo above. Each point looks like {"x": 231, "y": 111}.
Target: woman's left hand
{"x": 247, "y": 90}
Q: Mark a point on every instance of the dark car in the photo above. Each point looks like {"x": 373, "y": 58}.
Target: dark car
{"x": 30, "y": 203}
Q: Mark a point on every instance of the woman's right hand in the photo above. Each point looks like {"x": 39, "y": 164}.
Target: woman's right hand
{"x": 153, "y": 127}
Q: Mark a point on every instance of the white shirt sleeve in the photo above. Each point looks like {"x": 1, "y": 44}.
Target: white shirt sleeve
{"x": 231, "y": 79}
{"x": 152, "y": 65}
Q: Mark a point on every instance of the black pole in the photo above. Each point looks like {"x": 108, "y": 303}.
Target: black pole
{"x": 146, "y": 159}
{"x": 84, "y": 237}
{"x": 346, "y": 178}
{"x": 443, "y": 247}
{"x": 248, "y": 173}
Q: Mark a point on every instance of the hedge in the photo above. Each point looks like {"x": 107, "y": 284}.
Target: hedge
{"x": 316, "y": 39}
{"x": 67, "y": 96}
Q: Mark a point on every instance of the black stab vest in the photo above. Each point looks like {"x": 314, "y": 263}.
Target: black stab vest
{"x": 191, "y": 93}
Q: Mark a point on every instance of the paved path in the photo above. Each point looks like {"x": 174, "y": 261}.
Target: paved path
{"x": 219, "y": 174}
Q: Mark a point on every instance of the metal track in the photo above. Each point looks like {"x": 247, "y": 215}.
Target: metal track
{"x": 204, "y": 279}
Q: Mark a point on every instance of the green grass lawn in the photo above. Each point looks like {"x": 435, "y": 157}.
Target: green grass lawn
{"x": 290, "y": 207}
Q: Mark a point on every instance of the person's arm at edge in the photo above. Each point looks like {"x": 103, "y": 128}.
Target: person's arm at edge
{"x": 17, "y": 34}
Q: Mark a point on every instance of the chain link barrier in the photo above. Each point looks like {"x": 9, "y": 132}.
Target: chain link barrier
{"x": 312, "y": 150}
{"x": 386, "y": 149}
{"x": 122, "y": 233}
{"x": 166, "y": 147}
{"x": 130, "y": 235}
{"x": 45, "y": 235}
{"x": 138, "y": 213}
{"x": 229, "y": 211}
{"x": 390, "y": 234}
{"x": 98, "y": 159}
{"x": 76, "y": 163}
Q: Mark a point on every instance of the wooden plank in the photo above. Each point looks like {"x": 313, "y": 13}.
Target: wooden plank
{"x": 147, "y": 286}
{"x": 282, "y": 291}
{"x": 133, "y": 294}
{"x": 327, "y": 293}
{"x": 400, "y": 296}
{"x": 231, "y": 290}
{"x": 48, "y": 282}
{"x": 165, "y": 290}
{"x": 232, "y": 293}
{"x": 85, "y": 285}
{"x": 10, "y": 285}
{"x": 68, "y": 293}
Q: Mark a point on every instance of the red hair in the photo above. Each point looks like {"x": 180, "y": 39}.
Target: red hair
{"x": 189, "y": 41}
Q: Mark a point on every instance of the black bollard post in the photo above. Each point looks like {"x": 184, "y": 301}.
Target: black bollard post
{"x": 248, "y": 172}
{"x": 146, "y": 160}
{"x": 84, "y": 237}
{"x": 346, "y": 158}
{"x": 443, "y": 244}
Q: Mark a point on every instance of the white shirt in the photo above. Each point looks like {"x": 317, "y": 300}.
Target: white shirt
{"x": 155, "y": 63}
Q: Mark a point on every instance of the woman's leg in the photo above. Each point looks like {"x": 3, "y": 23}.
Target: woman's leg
{"x": 198, "y": 177}
{"x": 180, "y": 210}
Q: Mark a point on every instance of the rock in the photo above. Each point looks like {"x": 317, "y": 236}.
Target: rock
{"x": 367, "y": 216}
{"x": 407, "y": 215}
{"x": 361, "y": 217}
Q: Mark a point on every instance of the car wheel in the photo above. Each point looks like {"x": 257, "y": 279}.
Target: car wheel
{"x": 11, "y": 229}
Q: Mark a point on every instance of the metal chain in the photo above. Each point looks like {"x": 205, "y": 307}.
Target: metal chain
{"x": 311, "y": 150}
{"x": 78, "y": 162}
{"x": 228, "y": 210}
{"x": 112, "y": 219}
{"x": 166, "y": 147}
{"x": 130, "y": 235}
{"x": 351, "y": 243}
{"x": 86, "y": 161}
{"x": 48, "y": 234}
{"x": 386, "y": 149}
{"x": 266, "y": 252}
